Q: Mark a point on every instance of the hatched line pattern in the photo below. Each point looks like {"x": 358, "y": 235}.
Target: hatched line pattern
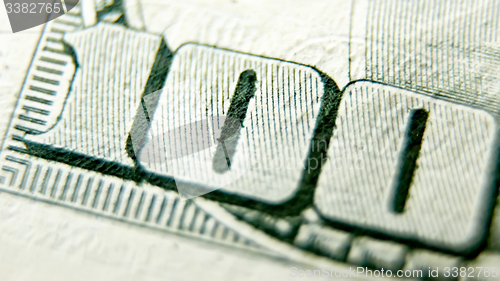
{"x": 48, "y": 79}
{"x": 113, "y": 198}
{"x": 275, "y": 137}
{"x": 444, "y": 205}
{"x": 437, "y": 47}
{"x": 96, "y": 119}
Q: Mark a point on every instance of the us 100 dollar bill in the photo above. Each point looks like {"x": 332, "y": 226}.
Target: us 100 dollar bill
{"x": 322, "y": 139}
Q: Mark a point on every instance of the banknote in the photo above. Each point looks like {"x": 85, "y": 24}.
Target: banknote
{"x": 250, "y": 140}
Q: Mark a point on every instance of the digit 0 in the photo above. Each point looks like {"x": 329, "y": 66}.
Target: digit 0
{"x": 422, "y": 151}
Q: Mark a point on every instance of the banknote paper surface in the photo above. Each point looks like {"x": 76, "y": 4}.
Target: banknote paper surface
{"x": 251, "y": 140}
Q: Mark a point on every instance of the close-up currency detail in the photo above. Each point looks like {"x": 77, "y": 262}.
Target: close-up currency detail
{"x": 249, "y": 140}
